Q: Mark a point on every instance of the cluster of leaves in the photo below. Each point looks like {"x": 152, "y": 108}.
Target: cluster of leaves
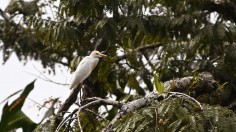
{"x": 16, "y": 37}
{"x": 185, "y": 39}
{"x": 177, "y": 115}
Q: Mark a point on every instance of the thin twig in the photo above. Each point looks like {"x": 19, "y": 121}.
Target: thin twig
{"x": 156, "y": 119}
{"x": 47, "y": 79}
{"x": 95, "y": 114}
{"x": 37, "y": 103}
{"x": 68, "y": 125}
{"x": 103, "y": 101}
{"x": 11, "y": 96}
{"x": 95, "y": 101}
{"x": 46, "y": 76}
{"x": 185, "y": 95}
{"x": 149, "y": 60}
{"x": 65, "y": 120}
{"x": 80, "y": 127}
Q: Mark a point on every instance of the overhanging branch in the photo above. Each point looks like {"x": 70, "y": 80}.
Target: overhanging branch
{"x": 138, "y": 49}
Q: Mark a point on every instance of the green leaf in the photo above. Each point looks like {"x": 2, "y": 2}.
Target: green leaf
{"x": 20, "y": 120}
{"x": 18, "y": 103}
{"x": 143, "y": 125}
{"x": 159, "y": 85}
{"x": 13, "y": 117}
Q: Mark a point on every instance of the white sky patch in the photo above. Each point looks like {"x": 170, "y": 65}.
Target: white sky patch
{"x": 3, "y": 4}
{"x": 213, "y": 17}
{"x": 15, "y": 76}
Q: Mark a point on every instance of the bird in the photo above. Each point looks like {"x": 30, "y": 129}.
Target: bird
{"x": 85, "y": 68}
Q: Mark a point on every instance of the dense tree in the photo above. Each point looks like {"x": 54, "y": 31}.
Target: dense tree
{"x": 168, "y": 38}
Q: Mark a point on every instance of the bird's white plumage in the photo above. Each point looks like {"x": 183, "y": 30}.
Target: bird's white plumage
{"x": 85, "y": 68}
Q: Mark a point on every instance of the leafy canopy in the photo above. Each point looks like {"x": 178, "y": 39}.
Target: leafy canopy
{"x": 168, "y": 37}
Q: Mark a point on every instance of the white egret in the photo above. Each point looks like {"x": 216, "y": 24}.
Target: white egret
{"x": 85, "y": 68}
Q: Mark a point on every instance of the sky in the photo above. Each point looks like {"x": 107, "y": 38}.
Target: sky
{"x": 14, "y": 75}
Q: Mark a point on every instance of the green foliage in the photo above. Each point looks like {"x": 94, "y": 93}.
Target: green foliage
{"x": 159, "y": 85}
{"x": 177, "y": 115}
{"x": 173, "y": 38}
{"x": 12, "y": 115}
{"x": 47, "y": 126}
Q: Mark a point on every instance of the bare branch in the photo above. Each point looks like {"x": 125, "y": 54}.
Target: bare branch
{"x": 65, "y": 120}
{"x": 95, "y": 101}
{"x": 118, "y": 104}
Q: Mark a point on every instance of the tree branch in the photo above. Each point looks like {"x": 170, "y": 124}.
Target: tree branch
{"x": 66, "y": 105}
{"x": 131, "y": 106}
{"x": 95, "y": 101}
{"x": 4, "y": 15}
{"x": 138, "y": 49}
{"x": 204, "y": 80}
{"x": 199, "y": 84}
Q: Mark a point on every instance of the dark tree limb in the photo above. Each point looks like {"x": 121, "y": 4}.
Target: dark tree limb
{"x": 199, "y": 84}
{"x": 67, "y": 104}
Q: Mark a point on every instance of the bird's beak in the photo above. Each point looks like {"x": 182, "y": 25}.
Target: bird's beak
{"x": 103, "y": 55}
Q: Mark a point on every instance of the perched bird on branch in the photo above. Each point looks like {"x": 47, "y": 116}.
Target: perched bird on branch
{"x": 85, "y": 68}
